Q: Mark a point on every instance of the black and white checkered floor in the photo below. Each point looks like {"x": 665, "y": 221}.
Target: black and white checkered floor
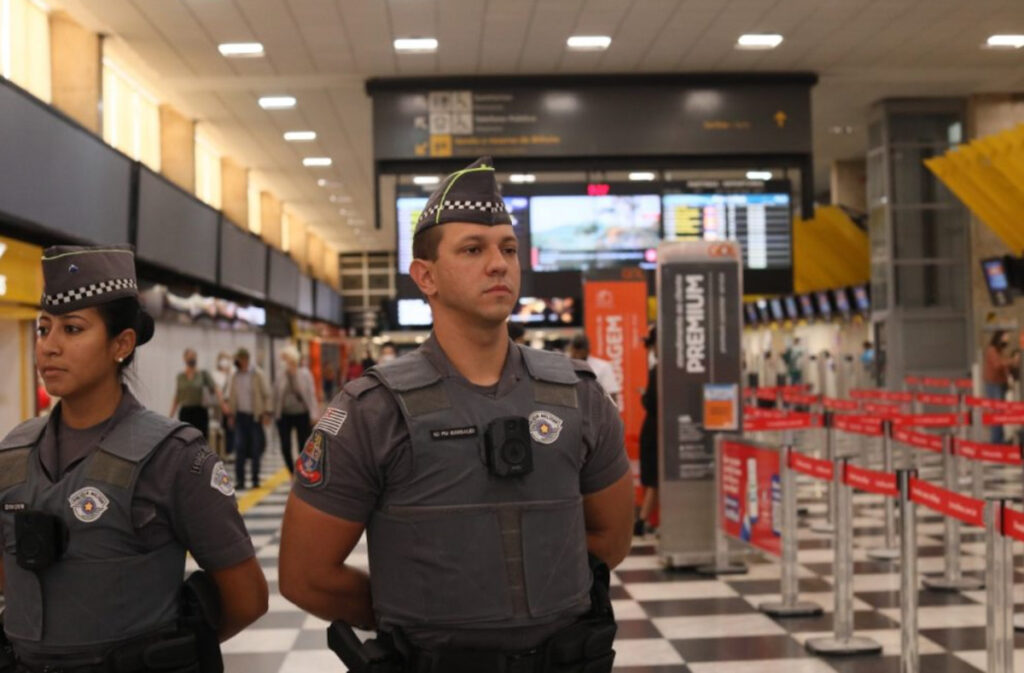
{"x": 678, "y": 621}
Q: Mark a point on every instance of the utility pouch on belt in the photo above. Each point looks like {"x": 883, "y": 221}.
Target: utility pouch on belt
{"x": 373, "y": 656}
{"x": 201, "y": 617}
{"x": 40, "y": 539}
{"x": 6, "y": 651}
{"x": 586, "y": 646}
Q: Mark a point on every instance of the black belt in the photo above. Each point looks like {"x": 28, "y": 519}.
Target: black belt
{"x": 531, "y": 661}
{"x": 167, "y": 654}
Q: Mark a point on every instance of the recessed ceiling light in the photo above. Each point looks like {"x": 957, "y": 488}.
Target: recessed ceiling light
{"x": 277, "y": 102}
{"x": 241, "y": 49}
{"x": 426, "y": 180}
{"x": 759, "y": 175}
{"x": 416, "y": 45}
{"x": 640, "y": 176}
{"x": 317, "y": 161}
{"x": 840, "y": 130}
{"x": 520, "y": 178}
{"x": 299, "y": 136}
{"x": 759, "y": 41}
{"x": 1006, "y": 41}
{"x": 588, "y": 42}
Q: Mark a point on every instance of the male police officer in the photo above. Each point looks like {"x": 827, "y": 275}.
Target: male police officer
{"x": 484, "y": 472}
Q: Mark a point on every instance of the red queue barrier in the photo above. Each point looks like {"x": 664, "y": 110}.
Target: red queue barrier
{"x": 1007, "y": 454}
{"x": 938, "y": 400}
{"x": 789, "y": 421}
{"x": 948, "y": 503}
{"x": 920, "y": 440}
{"x": 835, "y": 404}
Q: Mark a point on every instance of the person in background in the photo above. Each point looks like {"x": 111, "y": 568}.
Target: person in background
{"x": 295, "y": 406}
{"x": 250, "y": 406}
{"x": 995, "y": 372}
{"x": 189, "y": 390}
{"x": 110, "y": 497}
{"x": 353, "y": 371}
{"x": 579, "y": 348}
{"x": 649, "y": 436}
{"x": 793, "y": 357}
{"x": 221, "y": 440}
{"x": 867, "y": 361}
{"x": 329, "y": 384}
{"x": 388, "y": 352}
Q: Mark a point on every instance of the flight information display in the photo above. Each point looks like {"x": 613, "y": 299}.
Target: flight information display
{"x": 761, "y": 223}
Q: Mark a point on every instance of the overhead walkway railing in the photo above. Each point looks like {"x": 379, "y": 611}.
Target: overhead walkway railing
{"x": 987, "y": 175}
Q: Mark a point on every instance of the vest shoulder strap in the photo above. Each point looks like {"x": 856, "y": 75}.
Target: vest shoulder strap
{"x": 137, "y": 436}
{"x": 549, "y": 367}
{"x": 409, "y": 372}
{"x": 358, "y": 387}
{"x": 25, "y": 434}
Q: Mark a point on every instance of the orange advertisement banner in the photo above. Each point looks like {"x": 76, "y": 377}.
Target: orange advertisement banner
{"x": 616, "y": 323}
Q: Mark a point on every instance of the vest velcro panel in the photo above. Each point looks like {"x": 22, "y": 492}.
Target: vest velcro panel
{"x": 13, "y": 467}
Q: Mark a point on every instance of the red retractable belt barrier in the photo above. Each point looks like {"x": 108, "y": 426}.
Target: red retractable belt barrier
{"x": 892, "y": 396}
{"x": 1007, "y": 454}
{"x": 932, "y": 420}
{"x": 757, "y": 412}
{"x": 812, "y": 467}
{"x": 938, "y": 399}
{"x": 1003, "y": 418}
{"x": 994, "y": 405}
{"x": 861, "y": 425}
{"x": 796, "y": 388}
{"x": 919, "y": 439}
{"x": 911, "y": 380}
{"x": 1013, "y": 523}
{"x": 860, "y": 394}
{"x": 964, "y": 384}
{"x": 800, "y": 398}
{"x": 791, "y": 421}
{"x": 871, "y": 481}
{"x": 767, "y": 393}
{"x": 932, "y": 382}
{"x": 882, "y": 409}
{"x": 835, "y": 404}
{"x": 969, "y": 510}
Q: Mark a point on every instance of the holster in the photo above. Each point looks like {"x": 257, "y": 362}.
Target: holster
{"x": 201, "y": 618}
{"x": 7, "y": 660}
{"x": 373, "y": 656}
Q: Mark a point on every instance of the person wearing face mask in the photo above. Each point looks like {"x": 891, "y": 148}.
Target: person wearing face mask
{"x": 995, "y": 375}
{"x": 295, "y": 405}
{"x": 189, "y": 391}
{"x": 388, "y": 352}
{"x": 103, "y": 499}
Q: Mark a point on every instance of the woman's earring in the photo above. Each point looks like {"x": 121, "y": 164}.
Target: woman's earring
{"x": 120, "y": 360}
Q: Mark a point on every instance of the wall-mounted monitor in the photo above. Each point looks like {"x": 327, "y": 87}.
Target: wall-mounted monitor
{"x": 997, "y": 281}
{"x": 581, "y": 232}
{"x": 243, "y": 261}
{"x": 775, "y": 304}
{"x": 327, "y": 303}
{"x": 283, "y": 280}
{"x": 792, "y": 310}
{"x": 547, "y": 312}
{"x": 807, "y": 306}
{"x": 176, "y": 231}
{"x": 751, "y": 314}
{"x": 824, "y": 304}
{"x": 842, "y": 302}
{"x": 762, "y": 311}
{"x": 414, "y": 313}
{"x": 305, "y": 306}
{"x": 861, "y": 299}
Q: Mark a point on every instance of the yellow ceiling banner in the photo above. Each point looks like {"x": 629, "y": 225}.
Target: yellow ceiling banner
{"x": 829, "y": 251}
{"x": 21, "y": 272}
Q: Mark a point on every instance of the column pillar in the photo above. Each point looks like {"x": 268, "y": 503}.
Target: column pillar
{"x": 178, "y": 148}
{"x": 234, "y": 192}
{"x": 76, "y": 71}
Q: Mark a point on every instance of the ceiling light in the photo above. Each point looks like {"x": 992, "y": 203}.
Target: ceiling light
{"x": 638, "y": 176}
{"x": 316, "y": 161}
{"x": 1006, "y": 41}
{"x": 759, "y": 175}
{"x": 299, "y": 136}
{"x": 759, "y": 41}
{"x": 520, "y": 178}
{"x": 277, "y": 102}
{"x": 588, "y": 42}
{"x": 426, "y": 180}
{"x": 841, "y": 130}
{"x": 416, "y": 45}
{"x": 241, "y": 49}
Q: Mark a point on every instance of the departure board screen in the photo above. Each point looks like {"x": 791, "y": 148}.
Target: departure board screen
{"x": 761, "y": 223}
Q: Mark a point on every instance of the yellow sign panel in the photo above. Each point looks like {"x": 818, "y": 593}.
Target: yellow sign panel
{"x": 440, "y": 145}
{"x": 21, "y": 273}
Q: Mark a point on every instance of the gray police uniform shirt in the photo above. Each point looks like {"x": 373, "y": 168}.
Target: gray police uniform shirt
{"x": 368, "y": 456}
{"x": 183, "y": 493}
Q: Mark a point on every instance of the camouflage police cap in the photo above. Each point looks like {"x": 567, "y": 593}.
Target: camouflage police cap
{"x": 470, "y": 195}
{"x": 76, "y": 277}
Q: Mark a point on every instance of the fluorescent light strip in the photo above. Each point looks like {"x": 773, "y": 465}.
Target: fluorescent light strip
{"x": 317, "y": 162}
{"x": 759, "y": 175}
{"x": 520, "y": 178}
{"x": 420, "y": 45}
{"x": 426, "y": 180}
{"x": 642, "y": 176}
{"x": 240, "y": 49}
{"x": 1006, "y": 41}
{"x": 299, "y": 136}
{"x": 759, "y": 41}
{"x": 277, "y": 102}
{"x": 588, "y": 42}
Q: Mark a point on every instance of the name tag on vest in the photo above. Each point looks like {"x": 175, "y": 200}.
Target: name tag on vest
{"x": 453, "y": 433}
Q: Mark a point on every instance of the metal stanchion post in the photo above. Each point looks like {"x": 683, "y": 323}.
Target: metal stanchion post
{"x": 828, "y": 525}
{"x": 913, "y": 458}
{"x": 721, "y": 565}
{"x": 843, "y": 642}
{"x": 977, "y": 467}
{"x": 999, "y": 599}
{"x": 909, "y": 660}
{"x": 888, "y": 551}
{"x": 952, "y": 579}
{"x": 790, "y": 605}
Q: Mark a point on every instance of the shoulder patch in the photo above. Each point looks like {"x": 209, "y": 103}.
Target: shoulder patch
{"x": 220, "y": 480}
{"x": 311, "y": 466}
{"x": 88, "y": 504}
{"x": 332, "y": 420}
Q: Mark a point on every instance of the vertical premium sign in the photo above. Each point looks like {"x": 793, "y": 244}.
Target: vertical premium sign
{"x": 699, "y": 330}
{"x": 616, "y": 322}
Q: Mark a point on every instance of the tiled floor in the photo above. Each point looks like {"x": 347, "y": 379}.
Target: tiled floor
{"x": 678, "y": 621}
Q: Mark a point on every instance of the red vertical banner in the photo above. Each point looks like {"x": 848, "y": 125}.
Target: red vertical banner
{"x": 616, "y": 323}
{"x": 751, "y": 495}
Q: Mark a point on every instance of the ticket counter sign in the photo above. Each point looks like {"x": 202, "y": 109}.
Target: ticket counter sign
{"x": 751, "y": 493}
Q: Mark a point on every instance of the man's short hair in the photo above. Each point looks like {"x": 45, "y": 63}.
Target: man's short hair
{"x": 580, "y": 342}
{"x": 426, "y": 243}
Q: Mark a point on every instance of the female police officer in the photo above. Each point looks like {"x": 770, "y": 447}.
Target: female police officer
{"x": 100, "y": 501}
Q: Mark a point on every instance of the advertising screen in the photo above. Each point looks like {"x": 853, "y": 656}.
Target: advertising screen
{"x": 776, "y": 307}
{"x": 995, "y": 275}
{"x": 592, "y": 232}
{"x": 792, "y": 310}
{"x": 861, "y": 299}
{"x": 824, "y": 305}
{"x": 408, "y": 209}
{"x": 752, "y": 318}
{"x": 414, "y": 313}
{"x": 842, "y": 302}
{"x": 807, "y": 306}
{"x": 762, "y": 311}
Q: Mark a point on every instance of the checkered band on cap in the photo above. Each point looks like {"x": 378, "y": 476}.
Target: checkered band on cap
{"x": 481, "y": 206}
{"x": 89, "y": 291}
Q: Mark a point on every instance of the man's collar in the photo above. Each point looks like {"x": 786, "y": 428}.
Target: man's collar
{"x": 431, "y": 348}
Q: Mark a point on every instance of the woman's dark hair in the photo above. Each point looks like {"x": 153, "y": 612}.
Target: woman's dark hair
{"x": 997, "y": 338}
{"x": 127, "y": 313}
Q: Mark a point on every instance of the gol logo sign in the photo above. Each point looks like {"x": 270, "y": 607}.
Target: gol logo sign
{"x": 722, "y": 250}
